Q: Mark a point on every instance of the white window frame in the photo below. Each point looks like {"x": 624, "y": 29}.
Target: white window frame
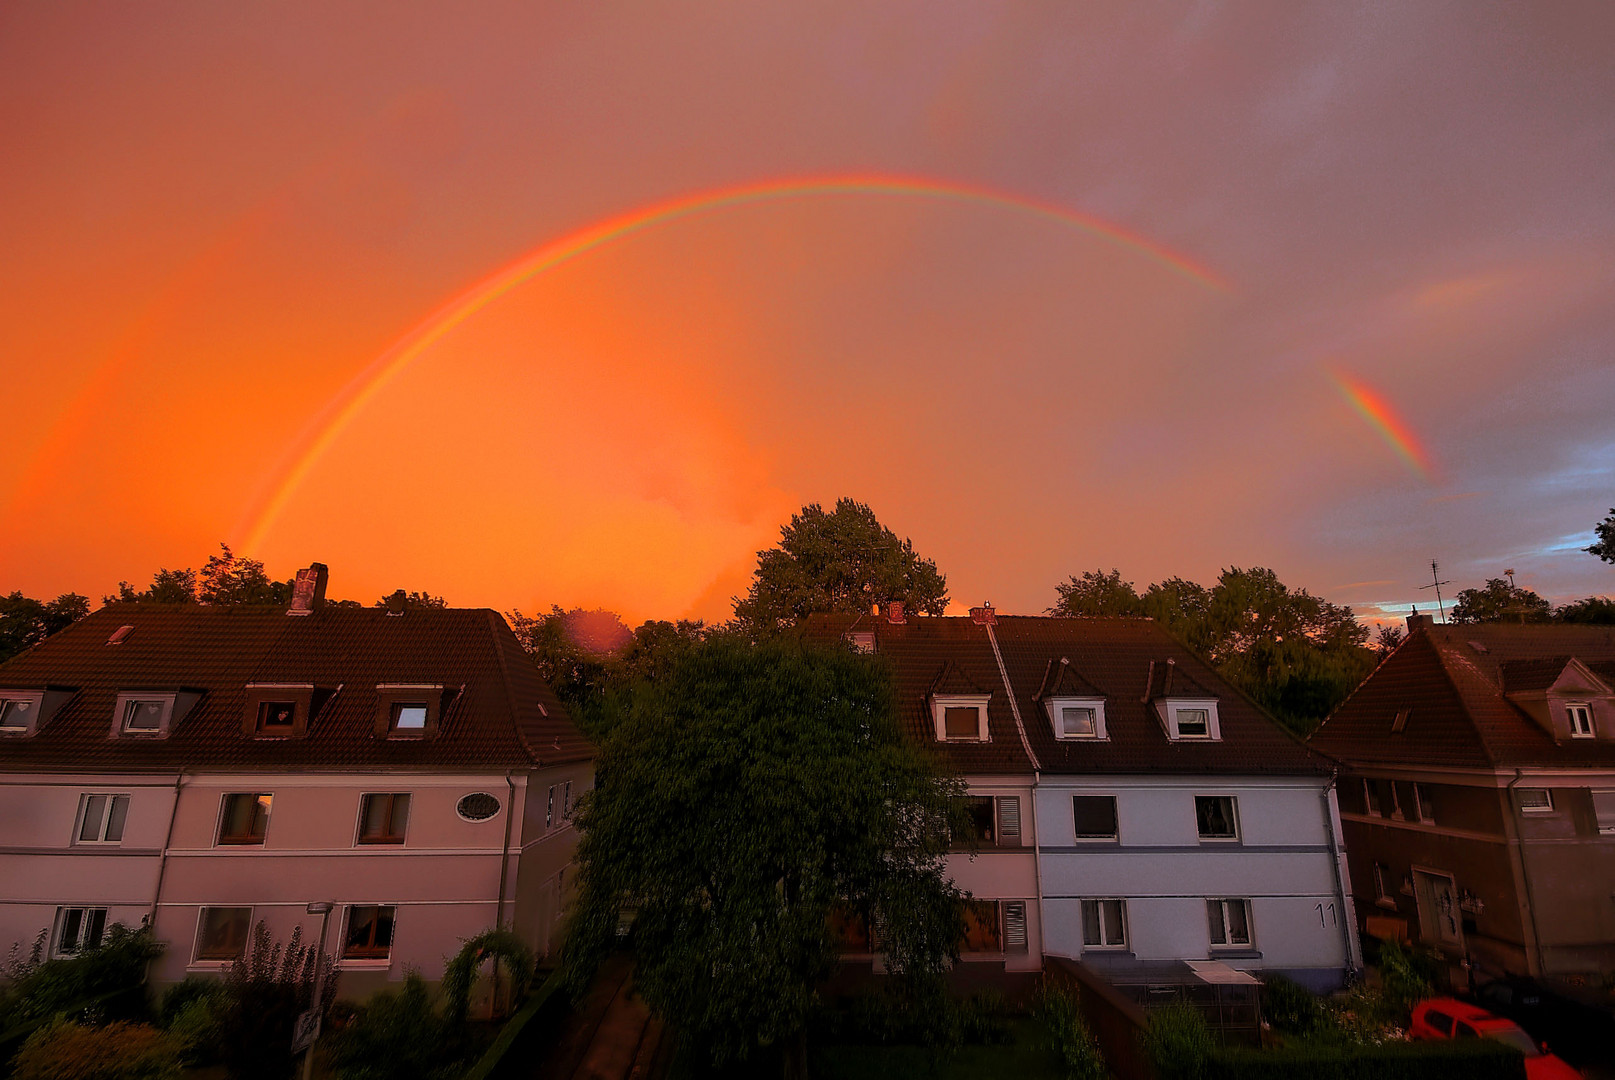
{"x": 33, "y": 705}
{"x": 1056, "y": 707}
{"x": 106, "y": 818}
{"x": 1382, "y": 892}
{"x": 549, "y": 810}
{"x": 1174, "y": 706}
{"x": 941, "y": 703}
{"x": 1545, "y": 808}
{"x": 1109, "y": 946}
{"x": 1585, "y": 709}
{"x": 346, "y": 961}
{"x": 56, "y": 950}
{"x": 1422, "y": 807}
{"x": 1227, "y": 924}
{"x": 120, "y": 711}
{"x": 1603, "y": 829}
{"x": 1233, "y": 810}
{"x": 1372, "y": 806}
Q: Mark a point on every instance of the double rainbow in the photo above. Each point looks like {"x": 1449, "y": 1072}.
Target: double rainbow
{"x": 1388, "y": 424}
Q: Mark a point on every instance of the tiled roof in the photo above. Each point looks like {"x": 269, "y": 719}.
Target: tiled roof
{"x": 1454, "y": 682}
{"x": 1061, "y": 679}
{"x": 497, "y": 712}
{"x": 1111, "y": 657}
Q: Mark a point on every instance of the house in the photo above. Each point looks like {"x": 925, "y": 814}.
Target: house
{"x": 1478, "y": 796}
{"x": 204, "y": 769}
{"x": 1133, "y": 810}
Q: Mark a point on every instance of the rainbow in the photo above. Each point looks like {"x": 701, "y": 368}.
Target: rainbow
{"x": 1390, "y": 426}
{"x": 324, "y": 428}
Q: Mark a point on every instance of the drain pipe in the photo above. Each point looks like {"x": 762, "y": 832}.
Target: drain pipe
{"x": 1348, "y": 918}
{"x": 988, "y": 620}
{"x": 1518, "y": 844}
{"x": 162, "y": 856}
{"x": 504, "y": 853}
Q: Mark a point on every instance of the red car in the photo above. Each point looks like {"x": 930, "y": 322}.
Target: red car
{"x": 1447, "y": 1018}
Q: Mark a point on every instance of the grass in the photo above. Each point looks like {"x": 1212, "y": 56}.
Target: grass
{"x": 1024, "y": 1058}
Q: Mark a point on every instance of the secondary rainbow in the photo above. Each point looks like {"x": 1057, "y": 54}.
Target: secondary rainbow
{"x": 1390, "y": 426}
{"x": 324, "y": 428}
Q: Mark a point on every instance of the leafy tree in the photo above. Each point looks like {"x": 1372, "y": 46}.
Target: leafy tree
{"x": 25, "y": 622}
{"x": 224, "y": 580}
{"x": 573, "y": 649}
{"x": 167, "y": 587}
{"x": 1591, "y": 609}
{"x": 841, "y": 561}
{"x": 1604, "y": 548}
{"x": 1389, "y": 637}
{"x": 413, "y": 600}
{"x": 400, "y": 1036}
{"x": 750, "y": 793}
{"x": 1499, "y": 601}
{"x": 1097, "y": 593}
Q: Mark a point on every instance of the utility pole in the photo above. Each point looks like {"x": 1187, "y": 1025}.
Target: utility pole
{"x": 1436, "y": 583}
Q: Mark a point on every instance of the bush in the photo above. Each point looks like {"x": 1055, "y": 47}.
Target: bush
{"x": 1289, "y": 1006}
{"x": 1178, "y": 1042}
{"x": 42, "y": 989}
{"x": 1406, "y": 978}
{"x": 399, "y": 1036}
{"x": 1458, "y": 1059}
{"x": 64, "y": 1051}
{"x": 497, "y": 945}
{"x": 1069, "y": 1038}
{"x": 263, "y": 993}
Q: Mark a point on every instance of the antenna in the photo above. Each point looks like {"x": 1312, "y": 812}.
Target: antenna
{"x": 1509, "y": 573}
{"x": 1436, "y": 583}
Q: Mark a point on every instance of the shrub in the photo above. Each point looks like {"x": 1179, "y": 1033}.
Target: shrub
{"x": 177, "y": 997}
{"x": 399, "y": 1036}
{"x": 44, "y": 988}
{"x": 1069, "y": 1038}
{"x": 263, "y": 992}
{"x": 64, "y": 1051}
{"x": 1178, "y": 1042}
{"x": 1406, "y": 979}
{"x": 1289, "y": 1006}
{"x": 1457, "y": 1059}
{"x": 496, "y": 944}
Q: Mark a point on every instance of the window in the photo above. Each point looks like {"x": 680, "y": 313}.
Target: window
{"x": 144, "y": 716}
{"x": 1009, "y": 820}
{"x": 222, "y": 932}
{"x": 1462, "y": 1030}
{"x": 1400, "y": 798}
{"x": 1581, "y": 721}
{"x": 1194, "y": 723}
{"x": 1190, "y": 718}
{"x": 277, "y": 717}
{"x": 566, "y": 802}
{"x": 101, "y": 819}
{"x": 478, "y": 806}
{"x": 1399, "y": 723}
{"x": 1104, "y": 924}
{"x": 1077, "y": 718}
{"x": 409, "y": 716}
{"x": 549, "y": 810}
{"x": 1015, "y": 936}
{"x": 19, "y": 712}
{"x": 1230, "y": 922}
{"x": 862, "y": 641}
{"x": 1371, "y": 802}
{"x": 1095, "y": 816}
{"x": 1535, "y": 800}
{"x": 408, "y": 710}
{"x": 959, "y": 722}
{"x": 981, "y": 927}
{"x": 1216, "y": 817}
{"x": 981, "y": 823}
{"x": 1604, "y": 811}
{"x": 150, "y": 714}
{"x": 1423, "y": 809}
{"x": 370, "y": 933}
{"x": 1440, "y": 1021}
{"x": 1382, "y": 891}
{"x": 383, "y": 819}
{"x": 244, "y": 818}
{"x": 79, "y": 928}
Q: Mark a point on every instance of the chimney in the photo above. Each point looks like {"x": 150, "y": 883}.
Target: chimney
{"x": 396, "y": 603}
{"x": 984, "y": 615}
{"x": 894, "y": 612}
{"x": 308, "y": 590}
{"x": 1417, "y": 622}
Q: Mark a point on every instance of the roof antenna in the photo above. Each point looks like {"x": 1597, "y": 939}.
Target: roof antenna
{"x": 1436, "y": 583}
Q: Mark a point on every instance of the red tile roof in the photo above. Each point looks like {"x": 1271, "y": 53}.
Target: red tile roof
{"x": 1459, "y": 714}
{"x": 498, "y": 713}
{"x": 1110, "y": 656}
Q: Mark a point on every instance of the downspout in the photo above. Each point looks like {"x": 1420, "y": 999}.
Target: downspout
{"x": 504, "y": 855}
{"x": 1353, "y": 962}
{"x": 1026, "y": 744}
{"x": 1518, "y": 844}
{"x": 162, "y": 856}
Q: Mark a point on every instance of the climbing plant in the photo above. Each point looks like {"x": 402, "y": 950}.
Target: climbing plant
{"x": 499, "y": 945}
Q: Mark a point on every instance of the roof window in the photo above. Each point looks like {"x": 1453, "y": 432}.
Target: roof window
{"x": 19, "y": 712}
{"x": 408, "y": 710}
{"x": 150, "y": 714}
{"x": 278, "y": 710}
{"x": 120, "y": 634}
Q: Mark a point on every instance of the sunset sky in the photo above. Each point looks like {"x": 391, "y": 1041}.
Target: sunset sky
{"x": 574, "y": 304}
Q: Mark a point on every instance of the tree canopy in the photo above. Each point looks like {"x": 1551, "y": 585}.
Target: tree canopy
{"x": 1296, "y": 654}
{"x": 841, "y": 561}
{"x": 795, "y": 799}
{"x": 25, "y": 622}
{"x": 223, "y": 581}
{"x": 1604, "y": 547}
{"x": 1500, "y": 600}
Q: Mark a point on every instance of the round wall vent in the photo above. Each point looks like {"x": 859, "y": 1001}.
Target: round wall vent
{"x": 479, "y": 806}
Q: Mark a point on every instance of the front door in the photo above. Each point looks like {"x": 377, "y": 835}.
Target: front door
{"x": 1440, "y": 922}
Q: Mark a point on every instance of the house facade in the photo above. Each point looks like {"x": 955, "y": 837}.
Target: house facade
{"x": 202, "y": 770}
{"x": 1478, "y": 795}
{"x": 1133, "y": 810}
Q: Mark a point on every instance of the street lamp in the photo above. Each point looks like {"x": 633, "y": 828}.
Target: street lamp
{"x": 323, "y": 909}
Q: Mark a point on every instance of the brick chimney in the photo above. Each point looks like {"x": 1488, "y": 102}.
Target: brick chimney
{"x": 308, "y": 590}
{"x": 396, "y": 603}
{"x": 984, "y": 615}
{"x": 1417, "y": 622}
{"x": 894, "y": 612}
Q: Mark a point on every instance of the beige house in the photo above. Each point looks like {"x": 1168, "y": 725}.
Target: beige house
{"x": 203, "y": 769}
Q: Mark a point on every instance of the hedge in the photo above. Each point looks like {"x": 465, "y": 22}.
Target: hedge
{"x": 1466, "y": 1059}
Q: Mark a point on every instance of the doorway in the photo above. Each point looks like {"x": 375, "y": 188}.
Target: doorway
{"x": 1440, "y": 922}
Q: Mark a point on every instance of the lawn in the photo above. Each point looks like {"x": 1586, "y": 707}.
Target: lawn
{"x": 1024, "y": 1058}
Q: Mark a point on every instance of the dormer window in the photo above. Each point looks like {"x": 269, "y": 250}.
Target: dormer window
{"x": 1192, "y": 720}
{"x": 1580, "y": 715}
{"x": 278, "y": 710}
{"x": 408, "y": 710}
{"x": 409, "y": 716}
{"x": 144, "y": 715}
{"x": 1077, "y": 718}
{"x": 276, "y": 717}
{"x": 960, "y": 718}
{"x": 19, "y": 713}
{"x": 1194, "y": 723}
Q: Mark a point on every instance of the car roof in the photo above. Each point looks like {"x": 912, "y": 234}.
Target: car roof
{"x": 1463, "y": 1010}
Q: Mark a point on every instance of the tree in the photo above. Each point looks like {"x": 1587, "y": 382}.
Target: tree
{"x": 412, "y": 600}
{"x": 167, "y": 587}
{"x": 224, "y": 581}
{"x": 842, "y": 561}
{"x": 573, "y": 649}
{"x": 794, "y": 798}
{"x": 1389, "y": 637}
{"x": 1499, "y": 601}
{"x": 1097, "y": 593}
{"x": 1604, "y": 548}
{"x": 1591, "y": 609}
{"x": 25, "y": 622}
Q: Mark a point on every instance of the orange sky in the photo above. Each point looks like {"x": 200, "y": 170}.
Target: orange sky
{"x": 217, "y": 217}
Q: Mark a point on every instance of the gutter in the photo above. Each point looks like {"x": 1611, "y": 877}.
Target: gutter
{"x": 1348, "y": 913}
{"x": 1037, "y": 770}
{"x": 162, "y": 859}
{"x": 1517, "y": 842}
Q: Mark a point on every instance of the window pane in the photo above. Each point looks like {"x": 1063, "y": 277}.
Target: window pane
{"x": 400, "y": 816}
{"x": 370, "y": 932}
{"x": 961, "y": 722}
{"x": 1216, "y": 816}
{"x": 14, "y": 713}
{"x": 72, "y": 922}
{"x": 1604, "y": 808}
{"x": 979, "y": 822}
{"x": 1219, "y": 929}
{"x": 981, "y": 927}
{"x": 1077, "y": 721}
{"x": 95, "y": 810}
{"x": 245, "y": 819}
{"x": 1535, "y": 799}
{"x": 1090, "y": 923}
{"x": 143, "y": 715}
{"x": 276, "y": 715}
{"x": 411, "y": 717}
{"x": 1193, "y": 722}
{"x": 224, "y": 933}
{"x": 95, "y": 922}
{"x": 1095, "y": 815}
{"x": 1112, "y": 921}
{"x": 115, "y": 815}
{"x": 1239, "y": 930}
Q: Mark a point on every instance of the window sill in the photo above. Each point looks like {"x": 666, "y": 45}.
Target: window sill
{"x": 364, "y": 963}
{"x": 1386, "y": 902}
{"x": 1100, "y": 841}
{"x": 1103, "y": 952}
{"x": 225, "y": 841}
{"x": 1222, "y": 841}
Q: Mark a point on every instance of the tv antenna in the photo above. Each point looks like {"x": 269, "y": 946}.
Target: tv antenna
{"x": 1436, "y": 583}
